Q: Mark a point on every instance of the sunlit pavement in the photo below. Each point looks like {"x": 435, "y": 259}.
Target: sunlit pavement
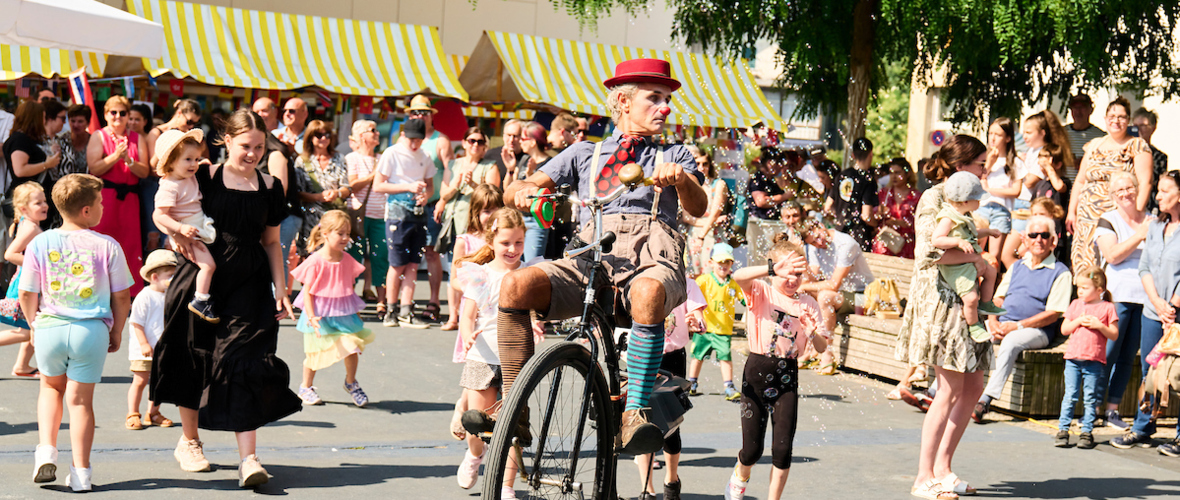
{"x": 851, "y": 441}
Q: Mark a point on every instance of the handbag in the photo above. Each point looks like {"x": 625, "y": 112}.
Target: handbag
{"x": 891, "y": 239}
{"x": 883, "y": 299}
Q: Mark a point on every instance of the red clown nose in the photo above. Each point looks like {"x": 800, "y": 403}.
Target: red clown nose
{"x": 664, "y": 110}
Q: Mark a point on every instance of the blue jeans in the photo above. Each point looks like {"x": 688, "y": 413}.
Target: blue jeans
{"x": 288, "y": 230}
{"x": 1019, "y": 225}
{"x": 535, "y": 239}
{"x": 997, "y": 216}
{"x": 1090, "y": 373}
{"x": 1150, "y": 336}
{"x": 1120, "y": 352}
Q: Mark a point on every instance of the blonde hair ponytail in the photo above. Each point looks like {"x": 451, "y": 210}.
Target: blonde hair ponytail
{"x": 331, "y": 221}
{"x": 21, "y": 197}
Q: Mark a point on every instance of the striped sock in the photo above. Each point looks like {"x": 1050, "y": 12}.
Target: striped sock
{"x": 645, "y": 350}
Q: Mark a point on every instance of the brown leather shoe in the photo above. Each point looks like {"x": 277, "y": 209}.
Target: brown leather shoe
{"x": 477, "y": 422}
{"x": 640, "y": 437}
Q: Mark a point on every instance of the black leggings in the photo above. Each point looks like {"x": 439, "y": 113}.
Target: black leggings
{"x": 770, "y": 392}
{"x": 677, "y": 363}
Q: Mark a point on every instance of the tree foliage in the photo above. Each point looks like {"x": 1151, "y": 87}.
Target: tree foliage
{"x": 997, "y": 54}
{"x": 886, "y": 123}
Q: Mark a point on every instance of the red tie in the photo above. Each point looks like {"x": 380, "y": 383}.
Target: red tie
{"x": 608, "y": 178}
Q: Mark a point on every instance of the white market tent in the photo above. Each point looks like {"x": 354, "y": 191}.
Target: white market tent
{"x": 79, "y": 25}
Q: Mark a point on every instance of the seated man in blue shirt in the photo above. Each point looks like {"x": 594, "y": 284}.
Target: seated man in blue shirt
{"x": 646, "y": 262}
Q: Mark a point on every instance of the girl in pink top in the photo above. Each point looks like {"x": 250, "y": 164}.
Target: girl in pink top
{"x": 1089, "y": 321}
{"x": 485, "y": 200}
{"x": 781, "y": 321}
{"x": 178, "y": 208}
{"x": 332, "y": 329}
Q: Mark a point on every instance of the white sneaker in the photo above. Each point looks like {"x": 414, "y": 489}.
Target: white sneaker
{"x": 45, "y": 464}
{"x": 79, "y": 479}
{"x": 507, "y": 493}
{"x": 469, "y": 470}
{"x": 736, "y": 489}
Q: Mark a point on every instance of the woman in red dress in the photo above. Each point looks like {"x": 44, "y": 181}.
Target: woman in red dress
{"x": 116, "y": 155}
{"x": 898, "y": 201}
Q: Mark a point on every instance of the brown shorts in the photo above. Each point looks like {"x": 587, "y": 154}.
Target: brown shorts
{"x": 141, "y": 365}
{"x": 643, "y": 249}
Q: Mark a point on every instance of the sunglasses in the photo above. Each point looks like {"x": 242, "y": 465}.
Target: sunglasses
{"x": 117, "y": 113}
{"x": 319, "y": 135}
{"x": 289, "y": 111}
{"x": 1044, "y": 235}
{"x": 419, "y": 112}
{"x": 193, "y": 123}
{"x": 477, "y": 142}
{"x": 582, "y": 131}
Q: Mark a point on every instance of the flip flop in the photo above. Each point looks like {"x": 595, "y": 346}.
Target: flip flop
{"x": 933, "y": 490}
{"x": 33, "y": 374}
{"x": 958, "y": 486}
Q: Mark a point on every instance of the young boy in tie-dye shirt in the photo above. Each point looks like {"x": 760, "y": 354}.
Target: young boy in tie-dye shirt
{"x": 74, "y": 289}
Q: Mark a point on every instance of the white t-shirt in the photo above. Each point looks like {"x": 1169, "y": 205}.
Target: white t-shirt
{"x": 842, "y": 251}
{"x": 998, "y": 179}
{"x": 1122, "y": 279}
{"x": 400, "y": 165}
{"x": 482, "y": 284}
{"x": 147, "y": 311}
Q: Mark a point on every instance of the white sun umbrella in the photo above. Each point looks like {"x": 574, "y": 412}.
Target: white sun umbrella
{"x": 82, "y": 25}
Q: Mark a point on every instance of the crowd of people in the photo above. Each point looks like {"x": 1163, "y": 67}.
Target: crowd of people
{"x": 205, "y": 226}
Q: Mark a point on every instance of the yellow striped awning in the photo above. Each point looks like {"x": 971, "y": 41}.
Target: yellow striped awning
{"x": 17, "y": 61}
{"x": 569, "y": 75}
{"x": 268, "y": 50}
{"x": 473, "y": 111}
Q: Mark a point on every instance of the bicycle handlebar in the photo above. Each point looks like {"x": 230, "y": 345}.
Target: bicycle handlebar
{"x": 631, "y": 175}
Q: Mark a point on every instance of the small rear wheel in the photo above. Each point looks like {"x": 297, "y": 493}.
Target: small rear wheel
{"x": 548, "y": 397}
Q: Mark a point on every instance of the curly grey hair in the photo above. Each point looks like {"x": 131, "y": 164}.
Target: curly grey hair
{"x": 612, "y": 99}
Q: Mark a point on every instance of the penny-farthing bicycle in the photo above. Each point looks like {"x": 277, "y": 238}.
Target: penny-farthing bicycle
{"x": 569, "y": 394}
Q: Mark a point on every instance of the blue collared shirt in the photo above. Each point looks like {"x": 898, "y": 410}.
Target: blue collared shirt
{"x": 573, "y": 167}
{"x": 1161, "y": 259}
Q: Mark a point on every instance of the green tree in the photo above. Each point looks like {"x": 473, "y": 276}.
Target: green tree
{"x": 996, "y": 54}
{"x": 886, "y": 123}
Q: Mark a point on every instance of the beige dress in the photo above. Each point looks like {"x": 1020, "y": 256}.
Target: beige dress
{"x": 1095, "y": 195}
{"x": 933, "y": 330}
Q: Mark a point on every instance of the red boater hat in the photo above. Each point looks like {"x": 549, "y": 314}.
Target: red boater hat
{"x": 643, "y": 70}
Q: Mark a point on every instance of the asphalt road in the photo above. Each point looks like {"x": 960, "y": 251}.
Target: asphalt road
{"x": 851, "y": 442}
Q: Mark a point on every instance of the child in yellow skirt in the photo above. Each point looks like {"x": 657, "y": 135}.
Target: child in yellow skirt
{"x": 332, "y": 330}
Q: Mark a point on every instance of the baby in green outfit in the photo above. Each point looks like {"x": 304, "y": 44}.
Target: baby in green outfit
{"x": 956, "y": 229}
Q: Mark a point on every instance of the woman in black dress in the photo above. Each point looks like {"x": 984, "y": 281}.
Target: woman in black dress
{"x": 226, "y": 376}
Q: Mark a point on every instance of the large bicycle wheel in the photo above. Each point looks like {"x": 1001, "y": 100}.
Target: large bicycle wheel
{"x": 551, "y": 389}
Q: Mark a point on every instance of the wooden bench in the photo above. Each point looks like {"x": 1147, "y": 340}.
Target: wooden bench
{"x": 1037, "y": 383}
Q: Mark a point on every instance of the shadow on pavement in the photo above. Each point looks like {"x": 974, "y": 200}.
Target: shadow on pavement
{"x": 302, "y": 423}
{"x": 397, "y": 407}
{"x": 728, "y": 462}
{"x": 115, "y": 380}
{"x": 285, "y": 477}
{"x": 7, "y": 429}
{"x": 1085, "y": 487}
{"x": 826, "y": 397}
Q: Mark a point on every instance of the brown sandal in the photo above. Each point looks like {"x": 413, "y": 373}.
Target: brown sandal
{"x": 381, "y": 309}
{"x": 133, "y": 422}
{"x": 159, "y": 420}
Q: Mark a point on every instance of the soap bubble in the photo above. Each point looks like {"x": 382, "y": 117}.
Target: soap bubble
{"x": 770, "y": 393}
{"x": 787, "y": 378}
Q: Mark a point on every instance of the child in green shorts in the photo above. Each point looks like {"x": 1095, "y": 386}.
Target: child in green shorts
{"x": 721, "y": 294}
{"x": 956, "y": 229}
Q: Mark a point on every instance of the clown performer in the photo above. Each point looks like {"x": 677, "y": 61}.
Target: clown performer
{"x": 646, "y": 261}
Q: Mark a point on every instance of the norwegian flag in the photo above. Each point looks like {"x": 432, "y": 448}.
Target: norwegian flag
{"x": 80, "y": 91}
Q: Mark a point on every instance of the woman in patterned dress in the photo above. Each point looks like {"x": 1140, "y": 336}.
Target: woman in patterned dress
{"x": 323, "y": 172}
{"x": 1091, "y": 194}
{"x": 934, "y": 332}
